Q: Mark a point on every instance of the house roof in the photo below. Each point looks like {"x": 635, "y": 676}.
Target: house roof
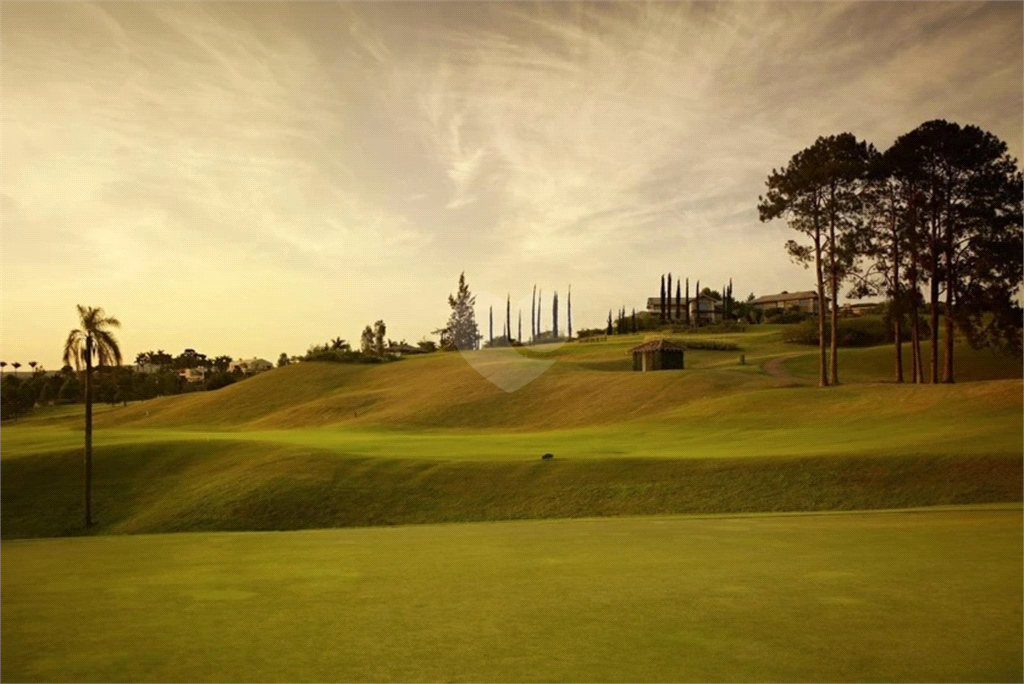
{"x": 657, "y": 345}
{"x": 656, "y": 301}
{"x": 785, "y": 297}
{"x": 405, "y": 349}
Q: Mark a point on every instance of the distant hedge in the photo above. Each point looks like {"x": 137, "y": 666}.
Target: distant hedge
{"x": 865, "y": 331}
{"x": 340, "y": 356}
{"x": 711, "y": 345}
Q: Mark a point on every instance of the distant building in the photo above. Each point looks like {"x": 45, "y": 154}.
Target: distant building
{"x": 703, "y": 309}
{"x": 863, "y": 309}
{"x": 404, "y": 349}
{"x": 251, "y": 366}
{"x": 193, "y": 374}
{"x": 657, "y": 355}
{"x": 806, "y": 301}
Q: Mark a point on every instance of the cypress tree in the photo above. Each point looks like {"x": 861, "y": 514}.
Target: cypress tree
{"x": 662, "y": 298}
{"x": 490, "y": 327}
{"x": 609, "y": 322}
{"x": 508, "y": 316}
{"x": 730, "y": 295}
{"x": 568, "y": 311}
{"x": 540, "y": 302}
{"x": 533, "y": 315}
{"x": 554, "y": 316}
{"x": 668, "y": 297}
{"x": 698, "y": 303}
{"x": 520, "y": 337}
{"x": 679, "y": 303}
{"x": 687, "y": 301}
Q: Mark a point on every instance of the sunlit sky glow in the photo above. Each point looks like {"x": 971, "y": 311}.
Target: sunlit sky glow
{"x": 248, "y": 179}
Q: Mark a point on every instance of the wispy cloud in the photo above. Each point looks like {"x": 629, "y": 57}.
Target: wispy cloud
{"x": 269, "y": 150}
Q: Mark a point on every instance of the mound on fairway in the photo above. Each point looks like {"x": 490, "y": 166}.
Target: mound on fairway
{"x": 895, "y": 596}
{"x": 430, "y": 440}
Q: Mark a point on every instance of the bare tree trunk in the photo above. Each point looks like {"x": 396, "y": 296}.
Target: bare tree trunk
{"x": 897, "y": 307}
{"x": 822, "y": 369}
{"x": 934, "y": 323}
{"x": 915, "y": 346}
{"x": 88, "y": 431}
{"x": 834, "y": 325}
{"x": 947, "y": 375}
{"x": 833, "y": 281}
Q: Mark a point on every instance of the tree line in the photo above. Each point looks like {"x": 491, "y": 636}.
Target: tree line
{"x": 933, "y": 223}
{"x": 463, "y": 332}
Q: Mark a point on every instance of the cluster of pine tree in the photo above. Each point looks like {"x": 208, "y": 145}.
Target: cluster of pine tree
{"x": 933, "y": 223}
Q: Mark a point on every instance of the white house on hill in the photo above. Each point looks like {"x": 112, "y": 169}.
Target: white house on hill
{"x": 806, "y": 301}
{"x": 249, "y": 366}
{"x": 706, "y": 308}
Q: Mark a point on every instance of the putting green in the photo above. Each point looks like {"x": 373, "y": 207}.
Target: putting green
{"x": 930, "y": 595}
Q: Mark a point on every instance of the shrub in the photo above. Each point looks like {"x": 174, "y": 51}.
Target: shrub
{"x": 780, "y": 317}
{"x": 591, "y": 332}
{"x": 853, "y": 332}
{"x": 711, "y": 345}
{"x": 726, "y": 327}
{"x": 345, "y": 356}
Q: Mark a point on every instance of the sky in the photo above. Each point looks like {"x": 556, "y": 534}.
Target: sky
{"x": 253, "y": 178}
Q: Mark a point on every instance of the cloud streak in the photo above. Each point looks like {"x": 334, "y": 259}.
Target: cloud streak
{"x": 269, "y": 150}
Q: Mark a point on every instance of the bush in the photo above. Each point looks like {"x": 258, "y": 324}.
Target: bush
{"x": 711, "y": 345}
{"x": 780, "y": 317}
{"x": 345, "y": 356}
{"x": 864, "y": 331}
{"x": 726, "y": 327}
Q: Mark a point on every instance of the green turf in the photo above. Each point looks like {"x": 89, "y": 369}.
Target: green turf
{"x": 279, "y": 451}
{"x": 229, "y": 485}
{"x": 883, "y": 596}
{"x": 877, "y": 364}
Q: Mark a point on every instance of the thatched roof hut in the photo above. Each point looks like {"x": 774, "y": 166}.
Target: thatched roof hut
{"x": 657, "y": 355}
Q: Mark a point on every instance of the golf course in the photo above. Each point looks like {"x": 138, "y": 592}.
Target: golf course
{"x": 726, "y": 521}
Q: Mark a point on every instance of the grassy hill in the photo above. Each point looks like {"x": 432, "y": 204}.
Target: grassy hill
{"x": 429, "y": 439}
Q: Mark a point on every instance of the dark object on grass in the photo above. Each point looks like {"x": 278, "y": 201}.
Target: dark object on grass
{"x": 547, "y": 457}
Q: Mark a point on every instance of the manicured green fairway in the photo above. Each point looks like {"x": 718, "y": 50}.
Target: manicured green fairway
{"x": 430, "y": 440}
{"x": 930, "y": 595}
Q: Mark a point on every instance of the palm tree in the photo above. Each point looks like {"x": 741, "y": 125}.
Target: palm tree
{"x": 3, "y": 364}
{"x": 33, "y": 364}
{"x": 91, "y": 339}
{"x": 16, "y": 366}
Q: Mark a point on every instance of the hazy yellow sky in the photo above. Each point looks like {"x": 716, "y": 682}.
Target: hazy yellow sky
{"x": 248, "y": 179}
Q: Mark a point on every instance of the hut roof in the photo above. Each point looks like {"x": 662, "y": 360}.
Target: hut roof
{"x": 655, "y": 345}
